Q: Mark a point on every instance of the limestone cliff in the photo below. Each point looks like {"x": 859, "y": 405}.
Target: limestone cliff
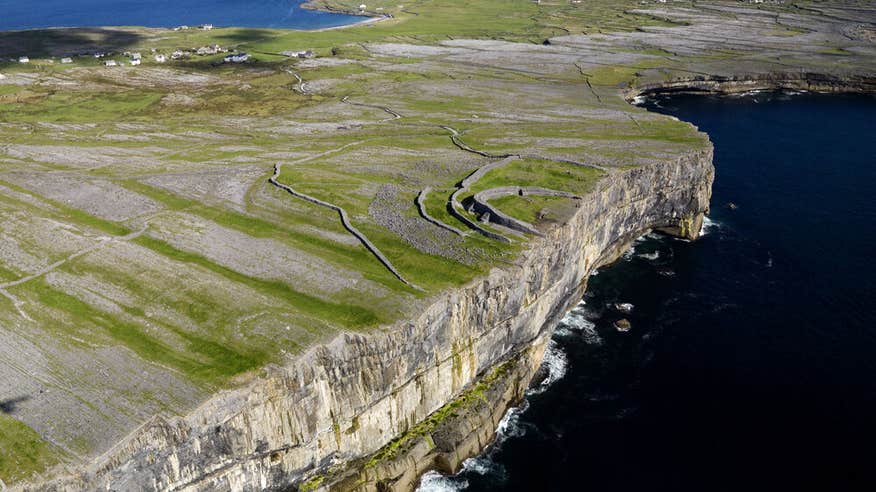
{"x": 342, "y": 402}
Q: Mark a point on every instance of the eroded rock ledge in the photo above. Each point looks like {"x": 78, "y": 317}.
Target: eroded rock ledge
{"x": 313, "y": 423}
{"x": 791, "y": 81}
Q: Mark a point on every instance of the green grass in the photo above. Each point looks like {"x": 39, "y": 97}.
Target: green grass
{"x": 69, "y": 107}
{"x": 199, "y": 358}
{"x": 421, "y": 21}
{"x": 541, "y": 173}
{"x": 530, "y": 209}
{"x": 344, "y": 314}
{"x": 22, "y": 451}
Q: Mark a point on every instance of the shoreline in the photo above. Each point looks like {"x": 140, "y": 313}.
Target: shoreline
{"x": 747, "y": 83}
{"x": 367, "y": 19}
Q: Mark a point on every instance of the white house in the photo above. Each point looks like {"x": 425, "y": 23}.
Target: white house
{"x": 298, "y": 54}
{"x": 363, "y": 7}
{"x": 135, "y": 62}
{"x": 209, "y": 50}
{"x": 110, "y": 63}
{"x": 66, "y": 60}
{"x": 160, "y": 58}
{"x": 237, "y": 58}
{"x": 23, "y": 59}
{"x": 136, "y": 56}
{"x": 207, "y": 27}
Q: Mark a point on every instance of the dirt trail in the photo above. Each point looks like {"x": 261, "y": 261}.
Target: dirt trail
{"x": 102, "y": 242}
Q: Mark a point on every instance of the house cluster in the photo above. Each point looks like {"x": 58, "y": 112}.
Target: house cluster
{"x": 133, "y": 58}
{"x": 237, "y": 58}
{"x": 202, "y": 51}
{"x": 210, "y": 50}
{"x": 298, "y": 54}
{"x": 136, "y": 58}
{"x": 203, "y": 27}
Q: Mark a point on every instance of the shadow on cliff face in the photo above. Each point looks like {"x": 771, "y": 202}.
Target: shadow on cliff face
{"x": 8, "y": 406}
{"x": 65, "y": 41}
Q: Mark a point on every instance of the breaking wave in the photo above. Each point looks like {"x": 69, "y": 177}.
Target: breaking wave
{"x": 556, "y": 363}
{"x": 576, "y": 323}
{"x": 510, "y": 425}
{"x": 649, "y": 256}
{"x": 709, "y": 225}
{"x": 433, "y": 481}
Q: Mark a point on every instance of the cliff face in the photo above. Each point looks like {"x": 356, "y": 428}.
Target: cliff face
{"x": 342, "y": 402}
{"x": 770, "y": 81}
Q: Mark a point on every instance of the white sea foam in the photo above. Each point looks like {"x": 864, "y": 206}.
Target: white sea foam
{"x": 510, "y": 425}
{"x": 639, "y": 100}
{"x": 556, "y": 363}
{"x": 649, "y": 256}
{"x": 484, "y": 465}
{"x": 709, "y": 225}
{"x": 576, "y": 323}
{"x": 433, "y": 481}
{"x": 580, "y": 309}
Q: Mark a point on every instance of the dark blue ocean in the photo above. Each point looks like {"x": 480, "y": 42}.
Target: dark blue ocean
{"x": 32, "y": 14}
{"x": 751, "y": 363}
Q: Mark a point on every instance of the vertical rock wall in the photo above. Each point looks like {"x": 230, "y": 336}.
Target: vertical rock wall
{"x": 313, "y": 423}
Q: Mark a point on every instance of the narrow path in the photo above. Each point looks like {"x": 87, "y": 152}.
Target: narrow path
{"x": 345, "y": 220}
{"x": 103, "y": 241}
{"x": 17, "y": 303}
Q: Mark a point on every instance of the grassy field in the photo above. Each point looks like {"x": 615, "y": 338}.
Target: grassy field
{"x": 23, "y": 451}
{"x": 140, "y": 233}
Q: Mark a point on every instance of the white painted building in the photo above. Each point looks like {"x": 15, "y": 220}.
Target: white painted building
{"x": 23, "y": 59}
{"x": 237, "y": 58}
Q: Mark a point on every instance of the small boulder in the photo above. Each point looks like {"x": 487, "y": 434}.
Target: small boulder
{"x": 622, "y": 307}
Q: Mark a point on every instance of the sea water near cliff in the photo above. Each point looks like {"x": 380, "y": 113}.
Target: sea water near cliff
{"x": 285, "y": 14}
{"x": 751, "y": 363}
